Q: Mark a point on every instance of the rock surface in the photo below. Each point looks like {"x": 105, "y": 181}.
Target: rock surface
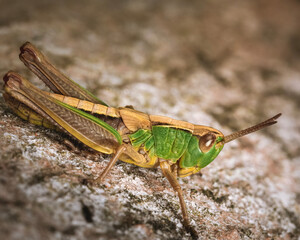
{"x": 225, "y": 64}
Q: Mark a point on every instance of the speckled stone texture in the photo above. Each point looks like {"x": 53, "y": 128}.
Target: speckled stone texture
{"x": 222, "y": 63}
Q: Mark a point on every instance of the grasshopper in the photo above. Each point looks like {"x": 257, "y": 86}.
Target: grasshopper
{"x": 179, "y": 148}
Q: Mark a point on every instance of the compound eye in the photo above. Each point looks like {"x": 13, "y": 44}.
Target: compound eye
{"x": 206, "y": 142}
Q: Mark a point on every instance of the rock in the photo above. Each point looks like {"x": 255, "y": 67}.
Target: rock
{"x": 224, "y": 64}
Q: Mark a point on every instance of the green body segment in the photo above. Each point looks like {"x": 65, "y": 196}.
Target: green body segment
{"x": 174, "y": 145}
{"x": 139, "y": 137}
{"x": 145, "y": 137}
{"x": 170, "y": 143}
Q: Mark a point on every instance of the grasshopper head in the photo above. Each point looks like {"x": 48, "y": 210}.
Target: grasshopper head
{"x": 205, "y": 146}
{"x": 208, "y": 142}
{"x": 214, "y": 146}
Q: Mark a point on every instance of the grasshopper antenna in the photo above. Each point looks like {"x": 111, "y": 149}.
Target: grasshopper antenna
{"x": 252, "y": 129}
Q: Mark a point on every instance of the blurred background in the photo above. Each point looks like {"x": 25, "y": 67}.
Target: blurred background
{"x": 227, "y": 64}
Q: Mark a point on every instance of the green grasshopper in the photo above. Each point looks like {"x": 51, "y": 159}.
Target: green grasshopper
{"x": 179, "y": 148}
